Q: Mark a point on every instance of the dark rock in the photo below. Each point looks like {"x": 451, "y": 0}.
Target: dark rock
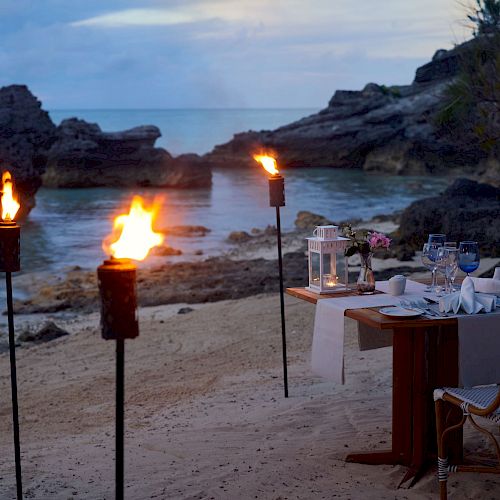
{"x": 207, "y": 280}
{"x": 84, "y": 156}
{"x": 467, "y": 210}
{"x": 26, "y": 135}
{"x": 378, "y": 129}
{"x": 185, "y": 310}
{"x": 50, "y": 331}
{"x": 165, "y": 251}
{"x": 270, "y": 230}
{"x": 309, "y": 220}
{"x": 198, "y": 252}
{"x": 239, "y": 236}
{"x": 185, "y": 231}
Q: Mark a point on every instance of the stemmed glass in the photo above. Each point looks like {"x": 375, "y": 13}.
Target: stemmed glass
{"x": 451, "y": 267}
{"x": 468, "y": 258}
{"x": 429, "y": 256}
{"x": 437, "y": 239}
{"x": 447, "y": 263}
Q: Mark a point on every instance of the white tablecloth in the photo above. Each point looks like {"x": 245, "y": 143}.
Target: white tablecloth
{"x": 328, "y": 339}
{"x": 479, "y": 335}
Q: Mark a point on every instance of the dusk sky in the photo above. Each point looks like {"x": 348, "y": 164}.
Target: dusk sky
{"x": 222, "y": 53}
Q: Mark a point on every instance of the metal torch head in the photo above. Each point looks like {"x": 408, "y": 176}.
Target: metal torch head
{"x": 10, "y": 235}
{"x": 117, "y": 289}
{"x": 277, "y": 191}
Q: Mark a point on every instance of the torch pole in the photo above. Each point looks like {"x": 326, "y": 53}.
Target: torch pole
{"x": 282, "y": 301}
{"x": 13, "y": 381}
{"x": 120, "y": 392}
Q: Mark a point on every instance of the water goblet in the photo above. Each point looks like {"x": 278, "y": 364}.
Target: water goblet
{"x": 429, "y": 255}
{"x": 468, "y": 256}
{"x": 451, "y": 267}
{"x": 441, "y": 263}
{"x": 437, "y": 239}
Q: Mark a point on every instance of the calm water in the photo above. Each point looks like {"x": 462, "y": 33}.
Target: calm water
{"x": 67, "y": 226}
{"x": 187, "y": 130}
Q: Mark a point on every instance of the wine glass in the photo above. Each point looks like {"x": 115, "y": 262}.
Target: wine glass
{"x": 437, "y": 239}
{"x": 447, "y": 264}
{"x": 441, "y": 261}
{"x": 468, "y": 258}
{"x": 429, "y": 255}
{"x": 451, "y": 267}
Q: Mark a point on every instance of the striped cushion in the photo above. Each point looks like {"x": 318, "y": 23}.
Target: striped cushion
{"x": 480, "y": 397}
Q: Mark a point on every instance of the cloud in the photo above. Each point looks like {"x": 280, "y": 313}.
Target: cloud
{"x": 137, "y": 17}
{"x": 215, "y": 53}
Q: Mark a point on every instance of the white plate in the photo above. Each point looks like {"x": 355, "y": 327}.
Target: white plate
{"x": 401, "y": 312}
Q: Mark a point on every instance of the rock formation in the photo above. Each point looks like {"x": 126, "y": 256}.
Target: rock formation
{"x": 387, "y": 129}
{"x": 85, "y": 156}
{"x": 466, "y": 211}
{"x": 26, "y": 134}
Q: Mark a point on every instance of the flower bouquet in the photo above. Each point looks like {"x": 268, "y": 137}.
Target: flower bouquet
{"x": 365, "y": 243}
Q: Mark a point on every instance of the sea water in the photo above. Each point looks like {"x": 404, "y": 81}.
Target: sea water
{"x": 67, "y": 226}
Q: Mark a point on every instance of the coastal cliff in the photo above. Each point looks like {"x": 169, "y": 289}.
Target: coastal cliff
{"x": 80, "y": 154}
{"x": 85, "y": 156}
{"x": 26, "y": 135}
{"x": 382, "y": 129}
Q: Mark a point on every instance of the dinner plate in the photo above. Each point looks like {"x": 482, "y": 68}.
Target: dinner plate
{"x": 400, "y": 312}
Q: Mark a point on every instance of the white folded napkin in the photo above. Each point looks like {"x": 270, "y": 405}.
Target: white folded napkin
{"x": 487, "y": 285}
{"x": 467, "y": 300}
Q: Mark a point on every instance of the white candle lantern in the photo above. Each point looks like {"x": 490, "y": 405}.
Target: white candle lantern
{"x": 328, "y": 271}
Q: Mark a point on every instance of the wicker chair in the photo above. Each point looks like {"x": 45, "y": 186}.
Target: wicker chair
{"x": 481, "y": 401}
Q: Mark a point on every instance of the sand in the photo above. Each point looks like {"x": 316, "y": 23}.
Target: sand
{"x": 205, "y": 412}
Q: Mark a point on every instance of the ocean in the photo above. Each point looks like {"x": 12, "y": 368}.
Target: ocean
{"x": 67, "y": 226}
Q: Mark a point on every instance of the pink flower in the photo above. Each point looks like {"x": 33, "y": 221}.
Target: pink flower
{"x": 378, "y": 240}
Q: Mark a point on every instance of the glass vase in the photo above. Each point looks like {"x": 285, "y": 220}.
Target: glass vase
{"x": 366, "y": 279}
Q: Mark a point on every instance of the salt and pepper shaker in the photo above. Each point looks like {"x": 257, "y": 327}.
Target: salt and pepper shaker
{"x": 397, "y": 285}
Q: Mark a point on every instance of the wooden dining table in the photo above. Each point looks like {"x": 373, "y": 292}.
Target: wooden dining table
{"x": 425, "y": 356}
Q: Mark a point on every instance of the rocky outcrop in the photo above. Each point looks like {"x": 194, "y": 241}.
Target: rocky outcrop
{"x": 387, "y": 129}
{"x": 85, "y": 156}
{"x": 26, "y": 135}
{"x": 466, "y": 211}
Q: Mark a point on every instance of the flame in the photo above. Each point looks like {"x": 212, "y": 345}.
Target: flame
{"x": 10, "y": 205}
{"x": 268, "y": 162}
{"x": 136, "y": 235}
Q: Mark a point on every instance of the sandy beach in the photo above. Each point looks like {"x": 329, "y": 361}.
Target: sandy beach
{"x": 205, "y": 412}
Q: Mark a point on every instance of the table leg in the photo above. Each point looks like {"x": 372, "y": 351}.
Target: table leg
{"x": 435, "y": 365}
{"x": 422, "y": 420}
{"x": 423, "y": 359}
{"x": 447, "y": 375}
{"x": 402, "y": 395}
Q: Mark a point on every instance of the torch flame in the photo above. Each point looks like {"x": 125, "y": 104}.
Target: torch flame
{"x": 136, "y": 235}
{"x": 268, "y": 162}
{"x": 10, "y": 205}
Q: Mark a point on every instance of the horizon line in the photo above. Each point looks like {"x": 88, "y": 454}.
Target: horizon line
{"x": 184, "y": 109}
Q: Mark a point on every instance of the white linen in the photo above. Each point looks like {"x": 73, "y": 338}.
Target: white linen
{"x": 487, "y": 285}
{"x": 479, "y": 335}
{"x": 327, "y": 358}
{"x": 413, "y": 289}
{"x": 479, "y": 349}
{"x": 496, "y": 275}
{"x": 467, "y": 300}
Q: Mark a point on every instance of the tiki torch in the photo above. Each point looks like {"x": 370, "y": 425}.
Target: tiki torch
{"x": 277, "y": 199}
{"x": 10, "y": 234}
{"x": 132, "y": 238}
